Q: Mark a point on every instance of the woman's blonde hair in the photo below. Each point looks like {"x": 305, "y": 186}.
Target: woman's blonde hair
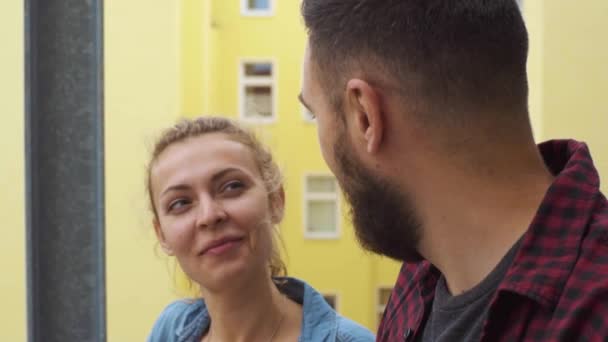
{"x": 271, "y": 175}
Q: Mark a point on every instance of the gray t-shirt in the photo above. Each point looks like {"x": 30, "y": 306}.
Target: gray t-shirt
{"x": 461, "y": 317}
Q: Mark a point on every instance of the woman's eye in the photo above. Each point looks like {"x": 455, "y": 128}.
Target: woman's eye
{"x": 177, "y": 204}
{"x": 233, "y": 186}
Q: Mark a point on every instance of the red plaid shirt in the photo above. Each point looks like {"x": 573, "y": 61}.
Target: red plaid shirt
{"x": 557, "y": 287}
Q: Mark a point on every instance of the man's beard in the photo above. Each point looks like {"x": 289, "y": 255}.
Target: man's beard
{"x": 384, "y": 218}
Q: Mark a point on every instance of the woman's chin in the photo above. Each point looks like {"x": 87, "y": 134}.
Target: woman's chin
{"x": 225, "y": 277}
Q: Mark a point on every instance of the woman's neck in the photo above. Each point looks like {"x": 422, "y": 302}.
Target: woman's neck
{"x": 253, "y": 312}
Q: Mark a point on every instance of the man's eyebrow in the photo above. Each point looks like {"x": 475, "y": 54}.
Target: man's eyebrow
{"x": 301, "y": 98}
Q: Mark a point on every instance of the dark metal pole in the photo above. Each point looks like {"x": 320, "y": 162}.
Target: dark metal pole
{"x": 65, "y": 170}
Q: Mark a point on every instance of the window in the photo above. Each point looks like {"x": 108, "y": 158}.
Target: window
{"x": 257, "y": 91}
{"x": 258, "y": 8}
{"x": 382, "y": 299}
{"x": 332, "y": 300}
{"x": 321, "y": 207}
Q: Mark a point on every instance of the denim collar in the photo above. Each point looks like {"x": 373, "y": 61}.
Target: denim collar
{"x": 319, "y": 320}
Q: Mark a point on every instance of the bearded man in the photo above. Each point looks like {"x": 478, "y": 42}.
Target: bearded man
{"x": 422, "y": 113}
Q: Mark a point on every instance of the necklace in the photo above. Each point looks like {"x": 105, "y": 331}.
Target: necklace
{"x": 276, "y": 329}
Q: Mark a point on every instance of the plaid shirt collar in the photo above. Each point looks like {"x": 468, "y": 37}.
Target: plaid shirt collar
{"x": 558, "y": 227}
{"x": 548, "y": 250}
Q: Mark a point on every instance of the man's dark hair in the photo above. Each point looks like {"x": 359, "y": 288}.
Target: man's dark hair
{"x": 441, "y": 56}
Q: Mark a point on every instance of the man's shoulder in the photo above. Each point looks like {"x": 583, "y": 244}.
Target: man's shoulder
{"x": 592, "y": 262}
{"x": 413, "y": 277}
{"x": 582, "y": 309}
{"x": 598, "y": 224}
{"x": 415, "y": 285}
{"x": 583, "y": 305}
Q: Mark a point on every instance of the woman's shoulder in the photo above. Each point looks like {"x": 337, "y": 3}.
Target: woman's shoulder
{"x": 175, "y": 319}
{"x": 351, "y": 331}
{"x": 322, "y": 321}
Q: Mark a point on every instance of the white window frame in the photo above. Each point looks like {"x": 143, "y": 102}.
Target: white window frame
{"x": 320, "y": 196}
{"x": 245, "y": 81}
{"x": 247, "y": 12}
{"x": 336, "y": 298}
{"x": 379, "y": 306}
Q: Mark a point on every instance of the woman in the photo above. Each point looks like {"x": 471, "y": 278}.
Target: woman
{"x": 217, "y": 195}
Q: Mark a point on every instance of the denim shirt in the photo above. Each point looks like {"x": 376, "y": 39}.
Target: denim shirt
{"x": 186, "y": 321}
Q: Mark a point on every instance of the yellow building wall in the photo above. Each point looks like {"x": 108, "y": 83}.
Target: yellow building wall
{"x": 142, "y": 96}
{"x": 215, "y": 36}
{"x": 194, "y": 55}
{"x": 12, "y": 201}
{"x": 533, "y": 15}
{"x": 568, "y": 74}
{"x": 228, "y": 36}
{"x": 168, "y": 59}
{"x": 575, "y": 76}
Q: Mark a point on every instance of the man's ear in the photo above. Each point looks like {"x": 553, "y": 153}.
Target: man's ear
{"x": 365, "y": 104}
{"x": 277, "y": 205}
{"x": 161, "y": 238}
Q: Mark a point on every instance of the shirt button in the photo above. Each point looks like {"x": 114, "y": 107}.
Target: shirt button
{"x": 407, "y": 334}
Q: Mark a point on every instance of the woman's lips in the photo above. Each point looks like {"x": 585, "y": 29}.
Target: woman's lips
{"x": 222, "y": 246}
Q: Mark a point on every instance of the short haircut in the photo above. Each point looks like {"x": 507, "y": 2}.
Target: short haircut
{"x": 441, "y": 56}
